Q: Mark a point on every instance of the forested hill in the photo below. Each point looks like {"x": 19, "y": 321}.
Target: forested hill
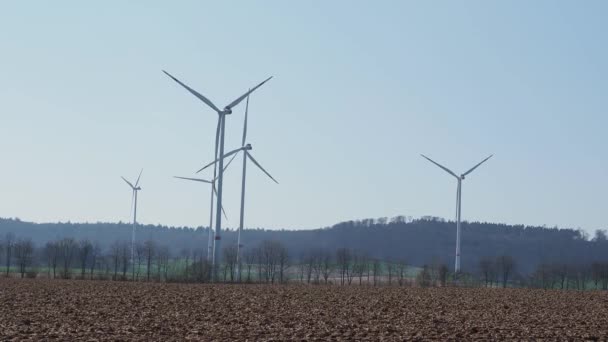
{"x": 417, "y": 242}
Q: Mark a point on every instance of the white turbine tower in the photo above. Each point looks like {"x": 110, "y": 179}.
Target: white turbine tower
{"x": 246, "y": 155}
{"x": 135, "y": 188}
{"x": 219, "y": 150}
{"x": 458, "y": 203}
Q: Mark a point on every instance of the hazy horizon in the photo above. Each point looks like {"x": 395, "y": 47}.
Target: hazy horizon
{"x": 359, "y": 91}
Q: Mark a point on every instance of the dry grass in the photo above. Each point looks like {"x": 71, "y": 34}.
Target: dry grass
{"x": 84, "y": 310}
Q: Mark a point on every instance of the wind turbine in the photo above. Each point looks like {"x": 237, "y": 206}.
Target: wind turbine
{"x": 219, "y": 143}
{"x": 246, "y": 155}
{"x": 135, "y": 188}
{"x": 213, "y": 190}
{"x": 458, "y": 202}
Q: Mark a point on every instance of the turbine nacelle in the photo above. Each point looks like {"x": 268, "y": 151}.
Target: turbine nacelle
{"x": 227, "y": 109}
{"x": 247, "y": 147}
{"x": 135, "y": 187}
{"x": 462, "y": 176}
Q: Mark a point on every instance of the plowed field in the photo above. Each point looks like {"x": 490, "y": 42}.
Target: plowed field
{"x": 85, "y": 310}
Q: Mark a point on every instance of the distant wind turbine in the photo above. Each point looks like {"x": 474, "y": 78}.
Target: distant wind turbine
{"x": 135, "y": 188}
{"x": 246, "y": 155}
{"x": 458, "y": 202}
{"x": 213, "y": 190}
{"x": 219, "y": 143}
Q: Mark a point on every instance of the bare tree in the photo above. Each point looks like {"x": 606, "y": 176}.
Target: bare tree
{"x": 359, "y": 266}
{"x": 249, "y": 257}
{"x": 95, "y": 255}
{"x": 202, "y": 269}
{"x": 8, "y": 245}
{"x": 302, "y": 267}
{"x": 273, "y": 257}
{"x": 506, "y": 265}
{"x": 163, "y": 257}
{"x": 604, "y": 276}
{"x": 544, "y": 276}
{"x": 230, "y": 256}
{"x": 84, "y": 253}
{"x": 391, "y": 269}
{"x": 51, "y": 251}
{"x": 437, "y": 272}
{"x": 442, "y": 270}
{"x": 487, "y": 269}
{"x": 115, "y": 253}
{"x": 599, "y": 274}
{"x": 195, "y": 256}
{"x": 185, "y": 254}
{"x": 314, "y": 269}
{"x": 306, "y": 266}
{"x": 582, "y": 276}
{"x": 283, "y": 262}
{"x": 125, "y": 256}
{"x": 67, "y": 250}
{"x": 376, "y": 271}
{"x": 149, "y": 249}
{"x": 257, "y": 252}
{"x": 424, "y": 277}
{"x": 105, "y": 266}
{"x": 139, "y": 259}
{"x": 269, "y": 259}
{"x": 344, "y": 261}
{"x": 402, "y": 270}
{"x": 24, "y": 250}
{"x": 596, "y": 273}
{"x": 327, "y": 266}
{"x": 561, "y": 271}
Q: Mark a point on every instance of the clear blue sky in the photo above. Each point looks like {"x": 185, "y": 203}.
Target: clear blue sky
{"x": 360, "y": 90}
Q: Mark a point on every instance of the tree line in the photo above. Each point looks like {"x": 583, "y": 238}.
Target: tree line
{"x": 401, "y": 238}
{"x": 270, "y": 261}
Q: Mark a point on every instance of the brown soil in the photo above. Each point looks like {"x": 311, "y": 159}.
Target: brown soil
{"x": 85, "y": 310}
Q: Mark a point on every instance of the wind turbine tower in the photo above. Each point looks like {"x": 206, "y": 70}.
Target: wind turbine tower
{"x": 246, "y": 155}
{"x": 135, "y": 188}
{"x": 458, "y": 203}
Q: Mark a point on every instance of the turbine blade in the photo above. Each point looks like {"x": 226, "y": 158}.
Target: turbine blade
{"x": 217, "y": 134}
{"x": 441, "y": 166}
{"x": 217, "y": 141}
{"x": 230, "y": 161}
{"x": 245, "y": 123}
{"x": 132, "y": 202}
{"x": 195, "y": 93}
{"x": 476, "y": 166}
{"x": 242, "y": 97}
{"x": 215, "y": 161}
{"x": 138, "y": 177}
{"x": 131, "y": 185}
{"x": 224, "y": 212}
{"x": 260, "y": 166}
{"x": 215, "y": 192}
{"x": 194, "y": 179}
